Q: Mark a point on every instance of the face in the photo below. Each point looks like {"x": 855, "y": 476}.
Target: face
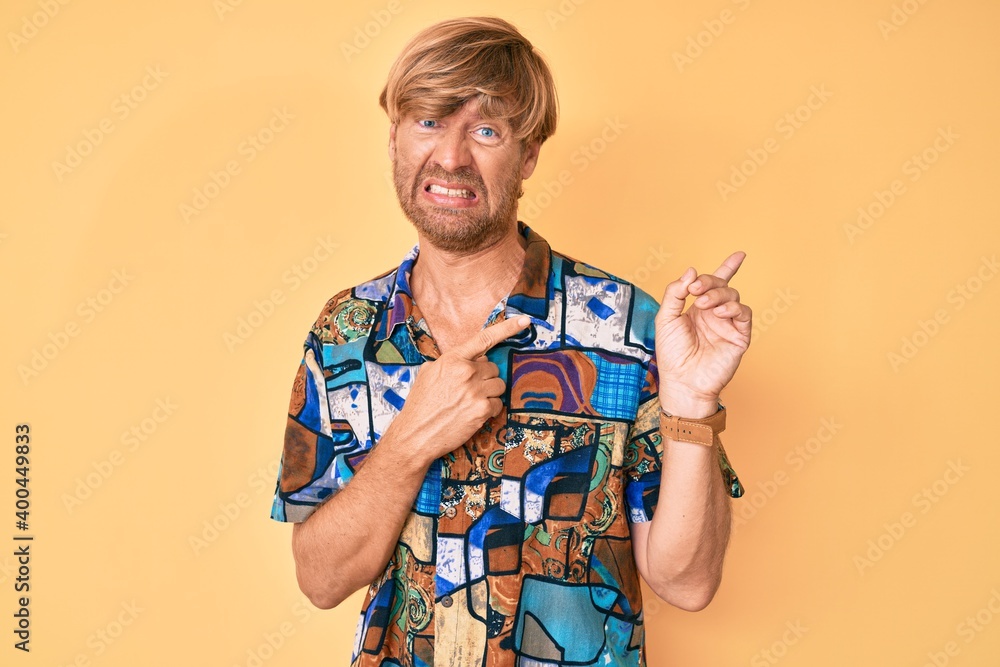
{"x": 458, "y": 178}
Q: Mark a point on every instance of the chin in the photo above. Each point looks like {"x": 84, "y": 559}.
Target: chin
{"x": 457, "y": 238}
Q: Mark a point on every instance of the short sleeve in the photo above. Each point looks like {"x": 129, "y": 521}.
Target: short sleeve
{"x": 644, "y": 454}
{"x": 320, "y": 452}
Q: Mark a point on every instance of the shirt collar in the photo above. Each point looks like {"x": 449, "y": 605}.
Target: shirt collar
{"x": 530, "y": 295}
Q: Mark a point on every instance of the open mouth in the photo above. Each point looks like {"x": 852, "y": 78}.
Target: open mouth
{"x": 451, "y": 195}
{"x": 441, "y": 190}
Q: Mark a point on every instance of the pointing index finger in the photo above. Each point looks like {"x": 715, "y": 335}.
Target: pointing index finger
{"x": 486, "y": 338}
{"x": 729, "y": 267}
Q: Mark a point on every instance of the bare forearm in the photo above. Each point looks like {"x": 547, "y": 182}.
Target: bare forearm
{"x": 346, "y": 543}
{"x": 690, "y": 529}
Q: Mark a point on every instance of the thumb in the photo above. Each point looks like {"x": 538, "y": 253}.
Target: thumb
{"x": 676, "y": 293}
{"x": 486, "y": 338}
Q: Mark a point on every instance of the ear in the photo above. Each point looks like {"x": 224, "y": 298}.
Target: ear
{"x": 392, "y": 142}
{"x": 530, "y": 158}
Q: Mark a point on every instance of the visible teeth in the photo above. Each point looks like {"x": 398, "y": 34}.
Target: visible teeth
{"x": 437, "y": 189}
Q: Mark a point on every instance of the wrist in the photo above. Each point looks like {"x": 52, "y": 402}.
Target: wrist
{"x": 689, "y": 407}
{"x": 407, "y": 448}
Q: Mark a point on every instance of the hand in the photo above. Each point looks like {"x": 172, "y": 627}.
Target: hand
{"x": 453, "y": 395}
{"x": 697, "y": 352}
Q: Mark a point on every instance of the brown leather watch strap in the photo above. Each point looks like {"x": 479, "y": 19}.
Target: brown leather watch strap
{"x": 699, "y": 431}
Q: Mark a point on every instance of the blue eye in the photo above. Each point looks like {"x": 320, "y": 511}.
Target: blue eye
{"x": 427, "y": 123}
{"x": 490, "y": 130}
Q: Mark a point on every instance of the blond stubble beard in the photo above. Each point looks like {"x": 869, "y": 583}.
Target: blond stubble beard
{"x": 445, "y": 228}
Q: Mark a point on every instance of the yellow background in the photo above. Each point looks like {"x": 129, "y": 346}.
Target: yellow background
{"x": 114, "y": 555}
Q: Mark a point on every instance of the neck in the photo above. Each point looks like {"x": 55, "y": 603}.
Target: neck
{"x": 456, "y": 285}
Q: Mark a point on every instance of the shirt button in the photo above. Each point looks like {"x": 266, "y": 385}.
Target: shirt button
{"x": 446, "y": 601}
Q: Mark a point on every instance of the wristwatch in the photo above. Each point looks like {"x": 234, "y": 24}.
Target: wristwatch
{"x": 699, "y": 431}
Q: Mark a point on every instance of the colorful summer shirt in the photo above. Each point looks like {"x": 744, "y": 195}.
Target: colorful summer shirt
{"x": 517, "y": 549}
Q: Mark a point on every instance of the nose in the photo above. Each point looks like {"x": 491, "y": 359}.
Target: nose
{"x": 452, "y": 149}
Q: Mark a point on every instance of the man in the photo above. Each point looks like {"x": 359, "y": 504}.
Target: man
{"x": 476, "y": 435}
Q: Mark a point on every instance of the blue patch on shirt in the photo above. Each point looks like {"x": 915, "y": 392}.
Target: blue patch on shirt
{"x": 600, "y": 309}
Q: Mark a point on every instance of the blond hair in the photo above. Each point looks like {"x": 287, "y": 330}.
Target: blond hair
{"x": 453, "y": 61}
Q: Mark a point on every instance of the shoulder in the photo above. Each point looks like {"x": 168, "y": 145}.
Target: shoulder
{"x": 604, "y": 302}
{"x": 351, "y": 313}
